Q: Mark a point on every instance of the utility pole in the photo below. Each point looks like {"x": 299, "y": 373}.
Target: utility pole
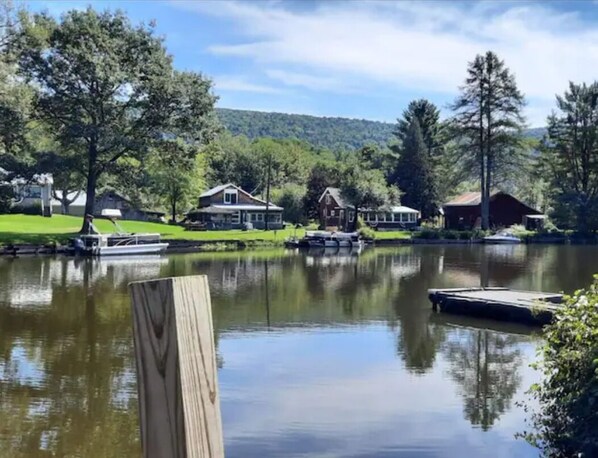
{"x": 268, "y": 178}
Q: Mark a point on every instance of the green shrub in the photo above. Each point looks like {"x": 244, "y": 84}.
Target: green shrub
{"x": 33, "y": 209}
{"x": 367, "y": 232}
{"x": 427, "y": 234}
{"x": 450, "y": 235}
{"x": 6, "y": 197}
{"x": 566, "y": 423}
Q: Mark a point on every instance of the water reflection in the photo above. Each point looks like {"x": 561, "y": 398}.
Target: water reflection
{"x": 335, "y": 355}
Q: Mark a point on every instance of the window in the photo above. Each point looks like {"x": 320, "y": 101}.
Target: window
{"x": 342, "y": 214}
{"x": 404, "y": 217}
{"x": 230, "y": 196}
{"x": 332, "y": 213}
{"x": 413, "y": 217}
{"x": 260, "y": 216}
{"x": 389, "y": 217}
{"x": 382, "y": 217}
{"x": 351, "y": 216}
{"x": 253, "y": 217}
{"x": 325, "y": 213}
{"x": 328, "y": 199}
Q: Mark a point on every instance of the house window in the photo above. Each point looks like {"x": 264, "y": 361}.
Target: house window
{"x": 253, "y": 217}
{"x": 328, "y": 199}
{"x": 413, "y": 217}
{"x": 325, "y": 213}
{"x": 389, "y": 217}
{"x": 260, "y": 216}
{"x": 230, "y": 196}
{"x": 351, "y": 216}
{"x": 382, "y": 217}
{"x": 332, "y": 213}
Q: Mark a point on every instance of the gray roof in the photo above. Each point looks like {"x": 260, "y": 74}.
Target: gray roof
{"x": 336, "y": 195}
{"x": 217, "y": 189}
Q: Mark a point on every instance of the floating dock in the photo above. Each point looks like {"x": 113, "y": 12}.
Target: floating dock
{"x": 527, "y": 307}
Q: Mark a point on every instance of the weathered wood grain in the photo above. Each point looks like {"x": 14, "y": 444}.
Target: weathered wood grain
{"x": 179, "y": 406}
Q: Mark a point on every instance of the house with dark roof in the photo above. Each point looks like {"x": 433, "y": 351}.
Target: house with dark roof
{"x": 334, "y": 211}
{"x": 464, "y": 212}
{"x": 228, "y": 206}
{"x": 109, "y": 199}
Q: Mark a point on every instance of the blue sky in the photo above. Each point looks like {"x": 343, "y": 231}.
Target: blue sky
{"x": 367, "y": 59}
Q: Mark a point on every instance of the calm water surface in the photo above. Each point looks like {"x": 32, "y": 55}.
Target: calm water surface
{"x": 318, "y": 356}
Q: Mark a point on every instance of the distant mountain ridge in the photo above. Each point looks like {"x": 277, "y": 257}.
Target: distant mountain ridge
{"x": 334, "y": 133}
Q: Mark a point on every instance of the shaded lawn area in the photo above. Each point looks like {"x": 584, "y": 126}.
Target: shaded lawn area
{"x": 16, "y": 229}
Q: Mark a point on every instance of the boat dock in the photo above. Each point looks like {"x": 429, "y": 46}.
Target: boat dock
{"x": 527, "y": 307}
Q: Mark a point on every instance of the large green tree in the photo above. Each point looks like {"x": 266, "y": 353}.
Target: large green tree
{"x": 366, "y": 188}
{"x": 428, "y": 118}
{"x": 323, "y": 174}
{"x": 571, "y": 154}
{"x": 488, "y": 121}
{"x": 176, "y": 175}
{"x": 108, "y": 89}
{"x": 414, "y": 172}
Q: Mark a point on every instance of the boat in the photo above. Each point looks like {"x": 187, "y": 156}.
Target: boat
{"x": 118, "y": 243}
{"x": 326, "y": 239}
{"x": 502, "y": 237}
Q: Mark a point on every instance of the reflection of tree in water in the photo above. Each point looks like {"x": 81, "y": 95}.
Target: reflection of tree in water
{"x": 485, "y": 365}
{"x": 418, "y": 339}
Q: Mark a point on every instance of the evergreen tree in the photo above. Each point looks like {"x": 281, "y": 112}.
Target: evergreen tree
{"x": 571, "y": 154}
{"x": 488, "y": 121}
{"x": 414, "y": 173}
{"x": 428, "y": 117}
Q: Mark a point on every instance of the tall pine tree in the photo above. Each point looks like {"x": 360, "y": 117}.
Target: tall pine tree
{"x": 414, "y": 173}
{"x": 428, "y": 117}
{"x": 488, "y": 121}
{"x": 571, "y": 154}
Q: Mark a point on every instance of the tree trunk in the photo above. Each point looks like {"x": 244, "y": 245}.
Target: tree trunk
{"x": 92, "y": 180}
{"x": 173, "y": 211}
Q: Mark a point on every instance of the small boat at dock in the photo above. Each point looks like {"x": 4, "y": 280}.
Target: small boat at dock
{"x": 502, "y": 237}
{"x": 326, "y": 239}
{"x": 119, "y": 243}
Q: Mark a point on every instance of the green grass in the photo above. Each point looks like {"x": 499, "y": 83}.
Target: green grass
{"x": 387, "y": 235}
{"x": 15, "y": 229}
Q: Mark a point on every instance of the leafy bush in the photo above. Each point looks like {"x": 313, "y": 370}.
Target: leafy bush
{"x": 6, "y": 197}
{"x": 427, "y": 234}
{"x": 33, "y": 209}
{"x": 450, "y": 235}
{"x": 367, "y": 232}
{"x": 567, "y": 423}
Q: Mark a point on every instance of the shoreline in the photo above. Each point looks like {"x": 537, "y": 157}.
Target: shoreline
{"x": 204, "y": 246}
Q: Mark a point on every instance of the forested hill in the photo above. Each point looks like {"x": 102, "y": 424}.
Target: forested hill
{"x": 331, "y": 133}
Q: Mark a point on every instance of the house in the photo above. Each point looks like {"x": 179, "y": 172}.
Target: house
{"x": 112, "y": 200}
{"x": 33, "y": 195}
{"x": 76, "y": 207}
{"x": 229, "y": 207}
{"x": 335, "y": 212}
{"x": 465, "y": 211}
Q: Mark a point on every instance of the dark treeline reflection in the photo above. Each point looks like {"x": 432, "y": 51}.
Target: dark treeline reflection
{"x": 67, "y": 380}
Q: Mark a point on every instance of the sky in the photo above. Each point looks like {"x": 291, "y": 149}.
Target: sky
{"x": 367, "y": 59}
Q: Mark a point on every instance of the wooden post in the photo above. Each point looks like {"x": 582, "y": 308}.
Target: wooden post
{"x": 179, "y": 406}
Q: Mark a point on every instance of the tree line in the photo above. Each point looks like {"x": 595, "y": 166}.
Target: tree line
{"x": 95, "y": 100}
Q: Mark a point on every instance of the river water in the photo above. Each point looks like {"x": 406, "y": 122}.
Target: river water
{"x": 318, "y": 355}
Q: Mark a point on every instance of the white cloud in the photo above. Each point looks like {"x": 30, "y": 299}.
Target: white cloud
{"x": 236, "y": 84}
{"x": 412, "y": 46}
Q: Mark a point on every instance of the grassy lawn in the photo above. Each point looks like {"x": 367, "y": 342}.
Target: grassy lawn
{"x": 386, "y": 235}
{"x": 59, "y": 228}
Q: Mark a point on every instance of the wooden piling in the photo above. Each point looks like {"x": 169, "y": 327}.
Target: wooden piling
{"x": 179, "y": 405}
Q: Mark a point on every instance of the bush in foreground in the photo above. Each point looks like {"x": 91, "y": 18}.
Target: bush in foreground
{"x": 566, "y": 424}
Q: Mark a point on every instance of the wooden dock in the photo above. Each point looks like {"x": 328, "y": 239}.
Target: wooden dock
{"x": 527, "y": 307}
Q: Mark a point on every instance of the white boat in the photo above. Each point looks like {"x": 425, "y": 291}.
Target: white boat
{"x": 119, "y": 243}
{"x": 502, "y": 237}
{"x": 325, "y": 239}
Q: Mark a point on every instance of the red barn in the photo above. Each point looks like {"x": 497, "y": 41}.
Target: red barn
{"x": 465, "y": 211}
